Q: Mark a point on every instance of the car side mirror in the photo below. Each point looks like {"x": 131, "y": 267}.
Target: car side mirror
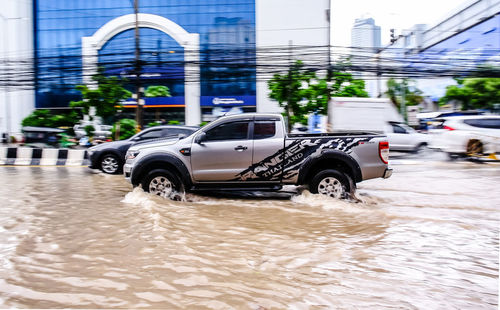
{"x": 200, "y": 138}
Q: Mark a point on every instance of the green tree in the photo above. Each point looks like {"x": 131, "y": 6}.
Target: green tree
{"x": 44, "y": 118}
{"x": 337, "y": 84}
{"x": 157, "y": 91}
{"x": 288, "y": 89}
{"x": 301, "y": 91}
{"x": 474, "y": 93}
{"x": 106, "y": 98}
{"x": 406, "y": 89}
{"x": 126, "y": 128}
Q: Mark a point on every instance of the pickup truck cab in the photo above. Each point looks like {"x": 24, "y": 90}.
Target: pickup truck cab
{"x": 254, "y": 152}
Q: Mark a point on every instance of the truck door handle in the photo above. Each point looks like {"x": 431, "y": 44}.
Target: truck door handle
{"x": 240, "y": 148}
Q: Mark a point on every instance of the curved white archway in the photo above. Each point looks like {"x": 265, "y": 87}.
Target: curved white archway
{"x": 189, "y": 41}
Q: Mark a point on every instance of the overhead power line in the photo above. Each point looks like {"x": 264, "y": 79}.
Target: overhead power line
{"x": 224, "y": 65}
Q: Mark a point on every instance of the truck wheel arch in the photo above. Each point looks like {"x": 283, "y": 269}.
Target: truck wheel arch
{"x": 160, "y": 161}
{"x": 330, "y": 160}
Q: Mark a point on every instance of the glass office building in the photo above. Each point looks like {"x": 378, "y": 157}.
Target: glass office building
{"x": 227, "y": 52}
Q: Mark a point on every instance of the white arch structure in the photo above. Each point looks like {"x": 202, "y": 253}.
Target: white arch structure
{"x": 189, "y": 41}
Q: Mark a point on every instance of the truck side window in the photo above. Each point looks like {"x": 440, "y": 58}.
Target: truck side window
{"x": 264, "y": 129}
{"x": 229, "y": 131}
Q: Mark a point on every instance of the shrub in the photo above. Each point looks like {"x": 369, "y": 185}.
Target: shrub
{"x": 127, "y": 128}
{"x": 89, "y": 130}
{"x": 152, "y": 124}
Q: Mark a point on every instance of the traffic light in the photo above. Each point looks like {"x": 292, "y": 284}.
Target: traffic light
{"x": 393, "y": 37}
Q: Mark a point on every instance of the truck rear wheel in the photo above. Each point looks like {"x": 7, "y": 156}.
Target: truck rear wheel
{"x": 163, "y": 183}
{"x": 331, "y": 183}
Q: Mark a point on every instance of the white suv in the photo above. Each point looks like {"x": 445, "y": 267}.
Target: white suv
{"x": 470, "y": 135}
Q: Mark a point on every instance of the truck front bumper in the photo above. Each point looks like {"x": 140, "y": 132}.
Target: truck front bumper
{"x": 387, "y": 173}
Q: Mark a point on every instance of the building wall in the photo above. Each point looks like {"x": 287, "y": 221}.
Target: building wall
{"x": 365, "y": 34}
{"x": 227, "y": 49}
{"x": 465, "y": 39}
{"x": 269, "y": 27}
{"x": 16, "y": 50}
{"x": 288, "y": 30}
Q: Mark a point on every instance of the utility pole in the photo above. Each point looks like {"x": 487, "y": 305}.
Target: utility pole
{"x": 379, "y": 88}
{"x": 139, "y": 117}
{"x": 329, "y": 69}
{"x": 403, "y": 99}
{"x": 289, "y": 122}
{"x": 328, "y": 15}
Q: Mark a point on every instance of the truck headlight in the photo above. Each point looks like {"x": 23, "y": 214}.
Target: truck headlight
{"x": 131, "y": 155}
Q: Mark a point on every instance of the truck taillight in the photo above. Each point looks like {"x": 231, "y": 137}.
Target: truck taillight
{"x": 383, "y": 151}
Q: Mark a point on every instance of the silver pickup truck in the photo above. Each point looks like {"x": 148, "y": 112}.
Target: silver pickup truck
{"x": 254, "y": 152}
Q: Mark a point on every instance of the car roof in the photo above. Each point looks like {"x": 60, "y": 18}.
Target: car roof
{"x": 173, "y": 126}
{"x": 451, "y": 118}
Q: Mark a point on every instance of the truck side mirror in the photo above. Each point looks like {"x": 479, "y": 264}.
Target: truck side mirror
{"x": 200, "y": 138}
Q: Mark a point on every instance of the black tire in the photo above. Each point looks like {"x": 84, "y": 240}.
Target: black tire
{"x": 163, "y": 183}
{"x": 332, "y": 183}
{"x": 420, "y": 149}
{"x": 110, "y": 163}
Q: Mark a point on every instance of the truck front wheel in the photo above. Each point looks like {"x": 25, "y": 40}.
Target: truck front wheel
{"x": 331, "y": 183}
{"x": 163, "y": 183}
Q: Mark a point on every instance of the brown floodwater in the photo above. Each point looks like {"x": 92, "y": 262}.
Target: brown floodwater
{"x": 427, "y": 238}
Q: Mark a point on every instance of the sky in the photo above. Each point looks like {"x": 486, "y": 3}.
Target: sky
{"x": 398, "y": 14}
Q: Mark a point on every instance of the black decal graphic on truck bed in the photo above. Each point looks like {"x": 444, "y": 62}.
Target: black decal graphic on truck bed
{"x": 291, "y": 159}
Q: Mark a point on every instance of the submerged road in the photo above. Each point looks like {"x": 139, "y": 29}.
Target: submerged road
{"x": 427, "y": 238}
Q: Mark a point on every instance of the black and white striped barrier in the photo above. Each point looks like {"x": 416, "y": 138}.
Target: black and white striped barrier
{"x": 23, "y": 156}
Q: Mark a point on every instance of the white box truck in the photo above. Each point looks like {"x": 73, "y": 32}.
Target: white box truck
{"x": 374, "y": 114}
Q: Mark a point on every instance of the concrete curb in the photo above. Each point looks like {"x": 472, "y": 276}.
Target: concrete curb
{"x": 25, "y": 156}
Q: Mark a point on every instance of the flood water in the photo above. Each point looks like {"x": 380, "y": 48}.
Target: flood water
{"x": 427, "y": 238}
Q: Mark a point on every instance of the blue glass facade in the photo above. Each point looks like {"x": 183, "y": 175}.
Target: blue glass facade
{"x": 483, "y": 39}
{"x": 478, "y": 44}
{"x": 227, "y": 48}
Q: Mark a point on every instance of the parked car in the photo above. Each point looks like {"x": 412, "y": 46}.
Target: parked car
{"x": 109, "y": 156}
{"x": 254, "y": 152}
{"x": 403, "y": 138}
{"x": 469, "y": 135}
